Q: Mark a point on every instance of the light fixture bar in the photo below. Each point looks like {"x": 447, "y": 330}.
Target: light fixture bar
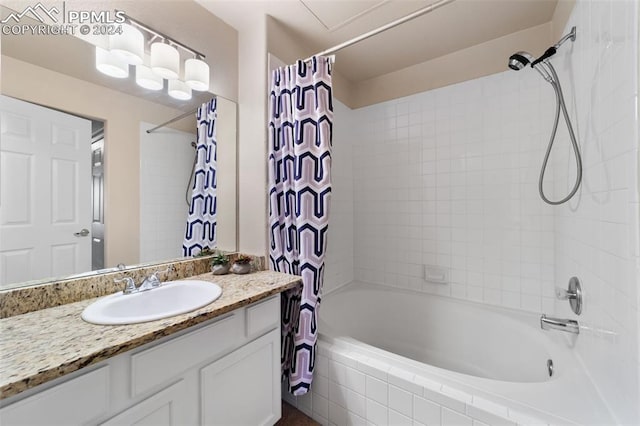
{"x": 163, "y": 36}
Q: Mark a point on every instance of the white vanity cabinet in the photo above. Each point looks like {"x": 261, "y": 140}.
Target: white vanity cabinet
{"x": 225, "y": 371}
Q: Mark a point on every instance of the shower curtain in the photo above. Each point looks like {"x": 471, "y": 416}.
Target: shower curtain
{"x": 200, "y": 231}
{"x": 300, "y": 128}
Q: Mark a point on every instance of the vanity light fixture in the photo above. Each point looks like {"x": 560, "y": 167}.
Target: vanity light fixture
{"x": 178, "y": 89}
{"x": 111, "y": 64}
{"x": 165, "y": 60}
{"x": 164, "y": 63}
{"x": 196, "y": 74}
{"x": 148, "y": 79}
{"x": 129, "y": 44}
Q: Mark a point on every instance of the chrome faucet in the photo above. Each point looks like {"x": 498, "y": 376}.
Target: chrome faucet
{"x": 149, "y": 283}
{"x": 129, "y": 285}
{"x": 550, "y": 323}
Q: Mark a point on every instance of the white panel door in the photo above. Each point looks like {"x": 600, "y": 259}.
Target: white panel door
{"x": 45, "y": 192}
{"x": 243, "y": 388}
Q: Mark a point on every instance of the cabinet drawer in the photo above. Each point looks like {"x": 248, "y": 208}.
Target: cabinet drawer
{"x": 263, "y": 317}
{"x": 75, "y": 402}
{"x": 164, "y": 362}
{"x": 163, "y": 408}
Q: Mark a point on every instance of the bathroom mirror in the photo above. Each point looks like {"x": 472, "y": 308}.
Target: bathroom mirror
{"x": 136, "y": 188}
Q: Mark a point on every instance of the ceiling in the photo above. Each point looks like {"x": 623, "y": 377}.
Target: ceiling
{"x": 320, "y": 24}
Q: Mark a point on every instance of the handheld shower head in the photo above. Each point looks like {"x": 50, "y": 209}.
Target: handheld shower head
{"x": 519, "y": 60}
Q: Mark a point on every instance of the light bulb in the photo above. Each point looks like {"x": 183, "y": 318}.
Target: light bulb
{"x": 165, "y": 60}
{"x": 110, "y": 64}
{"x": 129, "y": 44}
{"x": 147, "y": 78}
{"x": 178, "y": 89}
{"x": 196, "y": 74}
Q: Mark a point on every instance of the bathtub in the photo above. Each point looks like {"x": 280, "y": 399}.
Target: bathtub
{"x": 395, "y": 356}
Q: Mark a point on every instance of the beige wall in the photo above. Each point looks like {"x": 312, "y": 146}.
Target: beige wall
{"x": 560, "y": 17}
{"x": 281, "y": 44}
{"x": 474, "y": 62}
{"x": 122, "y": 115}
{"x": 227, "y": 175}
{"x": 477, "y": 61}
{"x": 252, "y": 146}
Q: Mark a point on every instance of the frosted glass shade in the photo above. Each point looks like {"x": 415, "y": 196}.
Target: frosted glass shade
{"x": 165, "y": 60}
{"x": 147, "y": 78}
{"x": 129, "y": 45}
{"x": 196, "y": 74}
{"x": 110, "y": 64}
{"x": 179, "y": 90}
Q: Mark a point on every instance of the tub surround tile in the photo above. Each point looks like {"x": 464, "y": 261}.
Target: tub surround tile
{"x": 355, "y": 420}
{"x": 426, "y": 411}
{"x": 490, "y": 417}
{"x": 453, "y": 418}
{"x": 47, "y": 295}
{"x": 377, "y": 390}
{"x": 400, "y": 400}
{"x": 420, "y": 401}
{"x": 404, "y": 380}
{"x": 355, "y": 380}
{"x": 398, "y": 419}
{"x": 322, "y": 366}
{"x": 320, "y": 386}
{"x": 337, "y": 414}
{"x": 377, "y": 413}
{"x": 357, "y": 403}
{"x": 320, "y": 407}
{"x": 46, "y": 344}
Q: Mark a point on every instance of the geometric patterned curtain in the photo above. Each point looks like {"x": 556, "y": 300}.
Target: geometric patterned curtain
{"x": 201, "y": 222}
{"x": 300, "y": 130}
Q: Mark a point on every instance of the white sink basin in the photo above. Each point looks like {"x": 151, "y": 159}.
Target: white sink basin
{"x": 170, "y": 299}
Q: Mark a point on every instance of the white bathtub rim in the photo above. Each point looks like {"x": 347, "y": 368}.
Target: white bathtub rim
{"x": 361, "y": 353}
{"x": 472, "y": 385}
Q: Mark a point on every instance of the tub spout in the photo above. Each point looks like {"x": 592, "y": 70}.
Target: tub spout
{"x": 549, "y": 323}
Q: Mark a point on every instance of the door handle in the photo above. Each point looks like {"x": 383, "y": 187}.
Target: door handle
{"x": 82, "y": 233}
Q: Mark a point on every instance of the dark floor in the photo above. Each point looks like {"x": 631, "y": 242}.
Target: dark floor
{"x": 294, "y": 417}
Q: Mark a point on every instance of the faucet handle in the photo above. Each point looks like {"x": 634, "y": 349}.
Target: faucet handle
{"x": 152, "y": 281}
{"x": 154, "y": 276}
{"x": 129, "y": 284}
{"x": 573, "y": 294}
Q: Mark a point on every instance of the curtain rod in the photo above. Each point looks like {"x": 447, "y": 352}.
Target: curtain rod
{"x": 180, "y": 117}
{"x": 411, "y": 16}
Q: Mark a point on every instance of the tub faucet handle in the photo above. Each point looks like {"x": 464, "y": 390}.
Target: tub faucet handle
{"x": 573, "y": 294}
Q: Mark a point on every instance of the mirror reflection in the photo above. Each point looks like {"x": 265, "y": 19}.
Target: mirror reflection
{"x": 83, "y": 185}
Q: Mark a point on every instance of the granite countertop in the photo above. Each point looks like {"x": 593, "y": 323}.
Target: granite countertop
{"x": 40, "y": 346}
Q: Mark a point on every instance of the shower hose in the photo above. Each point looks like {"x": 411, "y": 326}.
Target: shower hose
{"x": 555, "y": 82}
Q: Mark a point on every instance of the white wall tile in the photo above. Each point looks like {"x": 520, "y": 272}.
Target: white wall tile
{"x": 166, "y": 159}
{"x": 454, "y": 418}
{"x": 400, "y": 400}
{"x": 377, "y": 414}
{"x": 377, "y": 390}
{"x": 448, "y": 178}
{"x": 426, "y": 411}
{"x": 596, "y": 234}
{"x": 397, "y": 419}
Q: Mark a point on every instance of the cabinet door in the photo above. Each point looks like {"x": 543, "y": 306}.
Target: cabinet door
{"x": 77, "y": 401}
{"x": 166, "y": 407}
{"x": 243, "y": 388}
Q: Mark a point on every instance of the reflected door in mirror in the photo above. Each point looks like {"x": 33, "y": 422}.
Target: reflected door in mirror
{"x": 45, "y": 192}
